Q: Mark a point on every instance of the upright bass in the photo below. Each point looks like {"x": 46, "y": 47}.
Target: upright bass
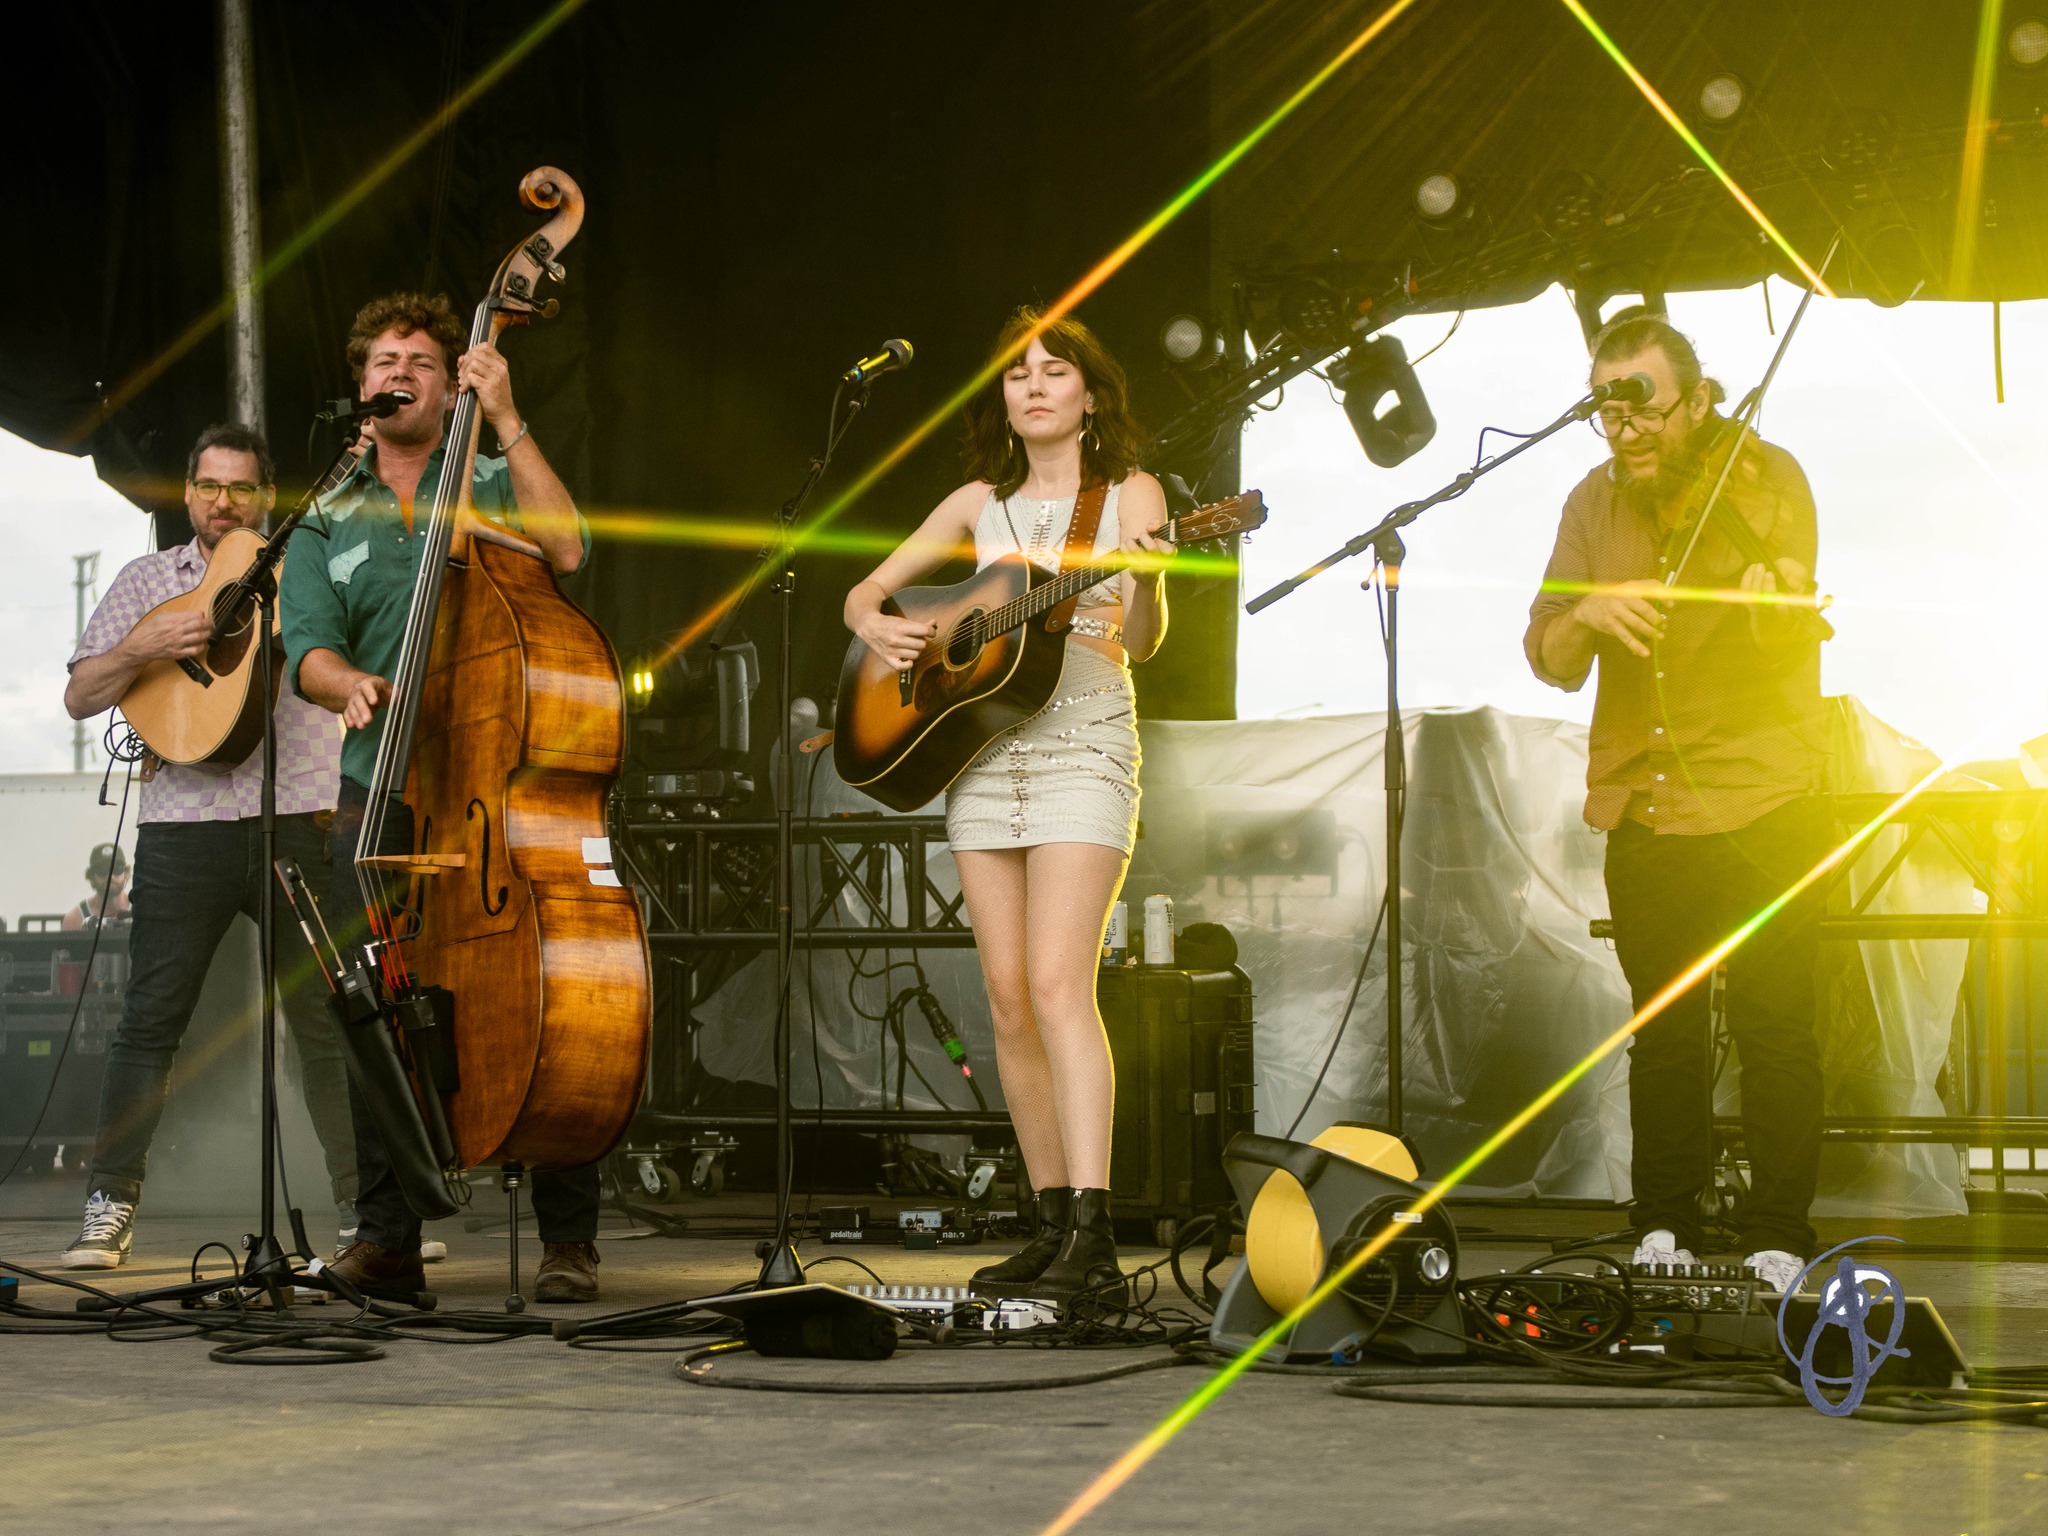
{"x": 505, "y": 732}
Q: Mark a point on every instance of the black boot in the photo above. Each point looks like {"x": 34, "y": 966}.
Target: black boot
{"x": 1053, "y": 1209}
{"x": 1087, "y": 1260}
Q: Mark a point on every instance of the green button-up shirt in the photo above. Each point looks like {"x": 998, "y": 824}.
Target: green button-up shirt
{"x": 349, "y": 578}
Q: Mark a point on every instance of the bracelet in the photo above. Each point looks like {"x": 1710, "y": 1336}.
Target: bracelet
{"x": 505, "y": 447}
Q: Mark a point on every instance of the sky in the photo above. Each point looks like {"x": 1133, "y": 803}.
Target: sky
{"x": 1930, "y": 496}
{"x": 53, "y": 507}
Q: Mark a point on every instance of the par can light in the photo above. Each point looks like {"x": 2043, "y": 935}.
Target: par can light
{"x": 1186, "y": 339}
{"x": 2027, "y": 43}
{"x": 1436, "y": 197}
{"x": 1722, "y": 98}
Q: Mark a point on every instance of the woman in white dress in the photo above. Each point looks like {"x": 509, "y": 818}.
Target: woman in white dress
{"x": 1041, "y": 823}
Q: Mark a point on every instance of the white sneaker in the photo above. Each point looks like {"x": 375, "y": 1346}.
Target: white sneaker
{"x": 1661, "y": 1247}
{"x": 432, "y": 1252}
{"x": 1778, "y": 1269}
{"x": 106, "y": 1237}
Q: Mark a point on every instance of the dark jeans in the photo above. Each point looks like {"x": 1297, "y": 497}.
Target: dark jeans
{"x": 1674, "y": 898}
{"x": 191, "y": 879}
{"x": 564, "y": 1202}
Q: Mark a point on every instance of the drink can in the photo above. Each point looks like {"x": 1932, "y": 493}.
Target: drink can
{"x": 1116, "y": 943}
{"x": 1159, "y": 930}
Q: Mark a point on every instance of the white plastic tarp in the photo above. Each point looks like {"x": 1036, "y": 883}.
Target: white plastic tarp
{"x": 1275, "y": 829}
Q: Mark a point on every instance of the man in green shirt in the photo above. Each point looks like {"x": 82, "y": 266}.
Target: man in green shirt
{"x": 346, "y": 589}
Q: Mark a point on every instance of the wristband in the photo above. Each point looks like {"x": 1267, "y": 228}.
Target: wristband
{"x": 505, "y": 447}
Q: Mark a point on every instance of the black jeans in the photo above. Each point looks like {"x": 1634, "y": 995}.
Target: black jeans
{"x": 191, "y": 880}
{"x": 564, "y": 1202}
{"x": 1674, "y": 898}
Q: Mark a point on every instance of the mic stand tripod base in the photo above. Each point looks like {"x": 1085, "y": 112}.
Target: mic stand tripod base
{"x": 781, "y": 1267}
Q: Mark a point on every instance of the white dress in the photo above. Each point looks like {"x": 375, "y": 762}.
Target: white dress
{"x": 1069, "y": 774}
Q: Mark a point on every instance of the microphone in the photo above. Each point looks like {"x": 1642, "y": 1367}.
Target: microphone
{"x": 896, "y": 353}
{"x": 1635, "y": 389}
{"x": 942, "y": 1031}
{"x": 384, "y": 404}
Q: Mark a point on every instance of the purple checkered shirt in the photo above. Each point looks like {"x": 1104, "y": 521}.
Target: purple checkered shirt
{"x": 308, "y": 737}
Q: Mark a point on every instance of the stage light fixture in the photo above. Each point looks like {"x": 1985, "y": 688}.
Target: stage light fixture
{"x": 2027, "y": 43}
{"x": 1722, "y": 99}
{"x": 1315, "y": 315}
{"x": 1367, "y": 374}
{"x": 1189, "y": 341}
{"x": 1437, "y": 197}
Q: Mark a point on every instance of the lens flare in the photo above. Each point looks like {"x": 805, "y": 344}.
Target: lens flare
{"x": 333, "y": 214}
{"x": 1693, "y": 143}
{"x": 1093, "y": 279}
{"x": 1121, "y": 1471}
{"x": 1962, "y": 260}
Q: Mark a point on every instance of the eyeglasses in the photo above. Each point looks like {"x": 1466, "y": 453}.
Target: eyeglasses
{"x": 240, "y": 492}
{"x": 1611, "y": 420}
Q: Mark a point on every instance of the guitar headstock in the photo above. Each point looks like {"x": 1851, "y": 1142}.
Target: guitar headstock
{"x": 1234, "y": 514}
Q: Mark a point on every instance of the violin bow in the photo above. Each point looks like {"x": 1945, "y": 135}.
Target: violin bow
{"x": 1744, "y": 421}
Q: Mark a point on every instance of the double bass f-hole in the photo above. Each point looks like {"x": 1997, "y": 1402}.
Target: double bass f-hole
{"x": 483, "y": 868}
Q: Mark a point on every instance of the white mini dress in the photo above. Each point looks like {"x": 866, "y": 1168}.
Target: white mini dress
{"x": 1069, "y": 774}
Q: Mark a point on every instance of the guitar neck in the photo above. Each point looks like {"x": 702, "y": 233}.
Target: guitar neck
{"x": 1067, "y": 585}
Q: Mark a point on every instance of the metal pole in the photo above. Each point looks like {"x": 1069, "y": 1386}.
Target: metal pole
{"x": 240, "y": 227}
{"x": 85, "y": 572}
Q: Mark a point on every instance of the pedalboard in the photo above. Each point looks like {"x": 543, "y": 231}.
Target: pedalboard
{"x": 962, "y": 1307}
{"x": 925, "y": 1228}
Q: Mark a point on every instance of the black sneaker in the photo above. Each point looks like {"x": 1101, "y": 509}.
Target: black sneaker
{"x": 108, "y": 1233}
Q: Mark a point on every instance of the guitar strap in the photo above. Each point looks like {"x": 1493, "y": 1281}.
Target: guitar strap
{"x": 1079, "y": 551}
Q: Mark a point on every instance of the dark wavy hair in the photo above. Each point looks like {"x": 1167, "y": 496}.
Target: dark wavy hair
{"x": 992, "y": 451}
{"x": 406, "y": 313}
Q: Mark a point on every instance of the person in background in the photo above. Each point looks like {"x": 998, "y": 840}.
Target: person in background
{"x": 106, "y": 901}
{"x": 199, "y": 855}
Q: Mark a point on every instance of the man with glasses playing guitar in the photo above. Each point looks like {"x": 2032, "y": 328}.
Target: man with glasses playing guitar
{"x": 198, "y": 851}
{"x": 1707, "y": 770}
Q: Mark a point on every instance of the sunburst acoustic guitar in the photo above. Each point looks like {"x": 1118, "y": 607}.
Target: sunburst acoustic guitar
{"x": 904, "y": 736}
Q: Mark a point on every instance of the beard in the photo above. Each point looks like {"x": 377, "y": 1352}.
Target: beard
{"x": 1679, "y": 464}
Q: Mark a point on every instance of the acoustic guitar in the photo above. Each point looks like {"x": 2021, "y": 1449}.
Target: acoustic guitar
{"x": 904, "y": 736}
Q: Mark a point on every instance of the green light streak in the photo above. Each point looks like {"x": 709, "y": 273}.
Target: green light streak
{"x": 1962, "y": 259}
{"x": 1693, "y": 143}
{"x": 1093, "y": 279}
{"x": 297, "y": 246}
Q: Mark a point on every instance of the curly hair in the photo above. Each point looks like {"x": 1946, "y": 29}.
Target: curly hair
{"x": 405, "y": 313}
{"x": 992, "y": 451}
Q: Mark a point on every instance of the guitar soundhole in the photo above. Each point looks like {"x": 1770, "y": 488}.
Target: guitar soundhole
{"x": 962, "y": 646}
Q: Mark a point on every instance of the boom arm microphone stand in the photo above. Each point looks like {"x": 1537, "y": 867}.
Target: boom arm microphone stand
{"x": 1384, "y": 540}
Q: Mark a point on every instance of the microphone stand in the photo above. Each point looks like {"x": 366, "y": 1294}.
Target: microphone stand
{"x": 268, "y": 1266}
{"x": 781, "y": 1266}
{"x": 1384, "y": 540}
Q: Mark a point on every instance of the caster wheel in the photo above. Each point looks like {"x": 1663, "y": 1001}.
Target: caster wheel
{"x": 707, "y": 1175}
{"x": 1164, "y": 1231}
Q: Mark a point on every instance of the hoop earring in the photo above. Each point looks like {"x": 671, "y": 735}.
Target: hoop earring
{"x": 1010, "y": 434}
{"x": 1089, "y": 438}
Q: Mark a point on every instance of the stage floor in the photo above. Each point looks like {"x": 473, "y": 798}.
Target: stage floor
{"x": 532, "y": 1436}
